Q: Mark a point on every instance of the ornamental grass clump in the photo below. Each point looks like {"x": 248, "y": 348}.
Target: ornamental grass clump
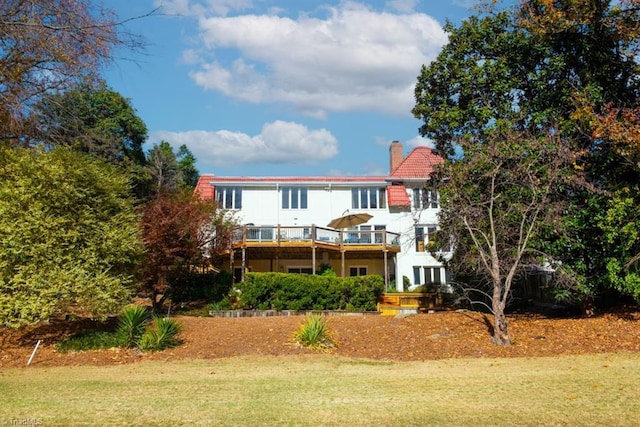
{"x": 136, "y": 329}
{"x": 314, "y": 333}
{"x": 160, "y": 334}
{"x": 131, "y": 326}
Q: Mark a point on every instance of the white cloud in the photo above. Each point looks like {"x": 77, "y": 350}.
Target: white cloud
{"x": 352, "y": 59}
{"x": 420, "y": 141}
{"x": 279, "y": 142}
{"x": 189, "y": 57}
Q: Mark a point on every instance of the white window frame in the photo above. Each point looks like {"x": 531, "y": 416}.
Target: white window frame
{"x": 368, "y": 198}
{"x": 228, "y": 197}
{"x": 436, "y": 275}
{"x": 294, "y": 197}
{"x": 426, "y": 198}
{"x": 427, "y": 230}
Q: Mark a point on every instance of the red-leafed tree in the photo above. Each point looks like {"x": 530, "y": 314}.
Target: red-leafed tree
{"x": 181, "y": 232}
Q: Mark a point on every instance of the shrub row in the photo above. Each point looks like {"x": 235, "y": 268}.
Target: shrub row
{"x": 283, "y": 291}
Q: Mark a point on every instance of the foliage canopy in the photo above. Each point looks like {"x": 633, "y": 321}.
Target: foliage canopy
{"x": 181, "y": 233}
{"x": 69, "y": 232}
{"x": 565, "y": 72}
{"x": 95, "y": 120}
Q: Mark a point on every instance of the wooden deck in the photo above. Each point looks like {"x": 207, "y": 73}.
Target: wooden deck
{"x": 391, "y": 304}
{"x": 312, "y": 236}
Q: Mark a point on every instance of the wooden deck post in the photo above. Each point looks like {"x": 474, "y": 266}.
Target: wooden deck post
{"x": 386, "y": 269}
{"x": 313, "y": 259}
{"x": 244, "y": 263}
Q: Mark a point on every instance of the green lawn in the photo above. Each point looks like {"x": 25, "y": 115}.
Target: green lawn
{"x": 325, "y": 390}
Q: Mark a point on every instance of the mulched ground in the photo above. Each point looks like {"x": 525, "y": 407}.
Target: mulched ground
{"x": 418, "y": 337}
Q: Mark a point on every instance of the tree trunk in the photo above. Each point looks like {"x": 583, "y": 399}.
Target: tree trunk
{"x": 500, "y": 322}
{"x": 160, "y": 290}
{"x": 501, "y": 329}
{"x": 156, "y": 304}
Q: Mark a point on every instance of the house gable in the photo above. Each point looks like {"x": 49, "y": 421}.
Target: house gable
{"x": 419, "y": 164}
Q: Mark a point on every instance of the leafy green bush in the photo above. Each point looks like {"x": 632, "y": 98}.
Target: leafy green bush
{"x": 131, "y": 325}
{"x": 314, "y": 333}
{"x": 281, "y": 291}
{"x": 70, "y": 240}
{"x": 327, "y": 270}
{"x": 160, "y": 334}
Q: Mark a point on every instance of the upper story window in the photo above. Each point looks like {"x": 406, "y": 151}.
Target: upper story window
{"x": 294, "y": 198}
{"x": 229, "y": 197}
{"x": 424, "y": 235}
{"x": 368, "y": 198}
{"x": 429, "y": 238}
{"x": 424, "y": 198}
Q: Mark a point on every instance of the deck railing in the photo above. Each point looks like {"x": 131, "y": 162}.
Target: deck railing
{"x": 313, "y": 234}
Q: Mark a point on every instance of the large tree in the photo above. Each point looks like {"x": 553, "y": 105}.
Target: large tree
{"x": 94, "y": 120}
{"x": 181, "y": 232}
{"x": 497, "y": 199}
{"x": 187, "y": 166}
{"x": 527, "y": 67}
{"x": 547, "y": 67}
{"x": 70, "y": 238}
{"x": 170, "y": 171}
{"x": 48, "y": 46}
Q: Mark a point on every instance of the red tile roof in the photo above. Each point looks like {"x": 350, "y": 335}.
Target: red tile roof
{"x": 295, "y": 179}
{"x": 204, "y": 188}
{"x": 419, "y": 164}
{"x": 397, "y": 195}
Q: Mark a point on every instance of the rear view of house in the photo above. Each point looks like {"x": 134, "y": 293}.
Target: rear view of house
{"x": 286, "y": 222}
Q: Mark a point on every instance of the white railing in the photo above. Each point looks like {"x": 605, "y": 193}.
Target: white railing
{"x": 313, "y": 234}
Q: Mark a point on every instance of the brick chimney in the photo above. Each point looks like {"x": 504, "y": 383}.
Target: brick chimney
{"x": 395, "y": 155}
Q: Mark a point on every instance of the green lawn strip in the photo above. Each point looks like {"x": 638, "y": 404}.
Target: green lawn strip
{"x": 326, "y": 390}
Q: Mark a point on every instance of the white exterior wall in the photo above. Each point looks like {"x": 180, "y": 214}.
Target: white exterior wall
{"x": 409, "y": 257}
{"x": 261, "y": 205}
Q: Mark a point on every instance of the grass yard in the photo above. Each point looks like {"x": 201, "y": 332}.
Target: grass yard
{"x": 585, "y": 390}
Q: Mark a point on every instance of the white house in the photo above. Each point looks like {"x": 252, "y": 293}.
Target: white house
{"x": 285, "y": 221}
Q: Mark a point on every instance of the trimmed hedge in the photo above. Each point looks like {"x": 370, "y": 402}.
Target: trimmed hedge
{"x": 284, "y": 291}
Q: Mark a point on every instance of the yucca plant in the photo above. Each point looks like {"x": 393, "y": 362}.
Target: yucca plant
{"x": 160, "y": 334}
{"x": 314, "y": 333}
{"x": 131, "y": 325}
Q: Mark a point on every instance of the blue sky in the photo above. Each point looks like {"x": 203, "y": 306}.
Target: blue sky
{"x": 265, "y": 87}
